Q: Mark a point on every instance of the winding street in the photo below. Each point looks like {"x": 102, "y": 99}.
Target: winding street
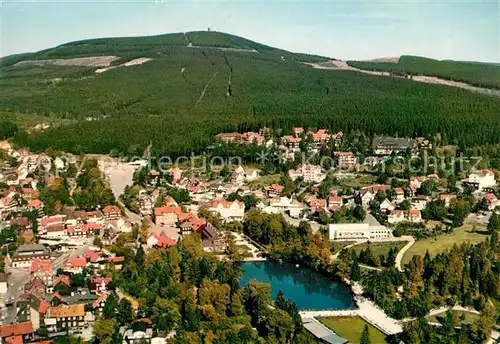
{"x": 401, "y": 253}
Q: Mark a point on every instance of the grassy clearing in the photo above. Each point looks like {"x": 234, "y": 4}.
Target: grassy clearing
{"x": 265, "y": 181}
{"x": 360, "y": 181}
{"x": 339, "y": 245}
{"x": 350, "y": 328}
{"x": 381, "y": 248}
{"x": 469, "y": 318}
{"x": 444, "y": 242}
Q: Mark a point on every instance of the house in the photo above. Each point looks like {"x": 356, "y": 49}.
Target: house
{"x": 298, "y": 131}
{"x": 447, "y": 198}
{"x": 37, "y": 308}
{"x": 414, "y": 216}
{"x": 492, "y": 201}
{"x": 26, "y": 254}
{"x": 317, "y": 204}
{"x": 35, "y": 286}
{"x": 368, "y": 193}
{"x": 335, "y": 200}
{"x": 68, "y": 317}
{"x": 345, "y": 160}
{"x": 61, "y": 281}
{"x": 228, "y": 137}
{"x": 75, "y": 265}
{"x": 389, "y": 145}
{"x": 252, "y": 137}
{"x": 84, "y": 230}
{"x": 167, "y": 216}
{"x": 400, "y": 195}
{"x": 387, "y": 205}
{"x": 146, "y": 204}
{"x": 23, "y": 223}
{"x": 195, "y": 225}
{"x": 42, "y": 269}
{"x": 419, "y": 202}
{"x": 312, "y": 174}
{"x": 3, "y": 282}
{"x": 212, "y": 240}
{"x": 273, "y": 190}
{"x": 229, "y": 211}
{"x": 293, "y": 143}
{"x": 117, "y": 261}
{"x": 98, "y": 305}
{"x": 100, "y": 284}
{"x": 285, "y": 204}
{"x": 17, "y": 333}
{"x": 55, "y": 231}
{"x": 241, "y": 175}
{"x": 35, "y": 204}
{"x": 320, "y": 137}
{"x": 109, "y": 235}
{"x": 160, "y": 240}
{"x": 112, "y": 212}
{"x": 357, "y": 231}
{"x": 176, "y": 174}
{"x": 49, "y": 221}
{"x": 396, "y": 216}
{"x": 481, "y": 179}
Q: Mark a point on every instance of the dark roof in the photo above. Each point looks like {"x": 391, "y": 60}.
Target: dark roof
{"x": 393, "y": 142}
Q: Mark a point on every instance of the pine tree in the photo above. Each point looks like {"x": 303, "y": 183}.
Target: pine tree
{"x": 365, "y": 336}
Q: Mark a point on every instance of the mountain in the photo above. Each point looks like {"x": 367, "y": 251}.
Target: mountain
{"x": 177, "y": 91}
{"x": 474, "y": 73}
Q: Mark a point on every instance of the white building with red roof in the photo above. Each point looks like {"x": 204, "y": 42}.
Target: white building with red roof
{"x": 492, "y": 201}
{"x": 160, "y": 240}
{"x": 229, "y": 211}
{"x": 482, "y": 179}
{"x": 396, "y": 216}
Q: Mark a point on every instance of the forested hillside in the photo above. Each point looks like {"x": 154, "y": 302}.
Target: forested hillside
{"x": 477, "y": 74}
{"x": 186, "y": 94}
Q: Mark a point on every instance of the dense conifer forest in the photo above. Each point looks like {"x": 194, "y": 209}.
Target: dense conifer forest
{"x": 479, "y": 74}
{"x": 202, "y": 83}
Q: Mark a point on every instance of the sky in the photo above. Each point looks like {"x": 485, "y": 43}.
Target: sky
{"x": 356, "y": 30}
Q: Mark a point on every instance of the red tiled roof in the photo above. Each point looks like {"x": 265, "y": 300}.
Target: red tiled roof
{"x": 62, "y": 279}
{"x": 165, "y": 241}
{"x": 44, "y": 265}
{"x": 414, "y": 213}
{"x": 14, "y": 340}
{"x": 491, "y": 197}
{"x": 99, "y": 280}
{"x": 119, "y": 259}
{"x": 226, "y": 204}
{"x": 111, "y": 209}
{"x": 36, "y": 203}
{"x": 44, "y": 306}
{"x": 16, "y": 329}
{"x": 76, "y": 262}
{"x": 167, "y": 210}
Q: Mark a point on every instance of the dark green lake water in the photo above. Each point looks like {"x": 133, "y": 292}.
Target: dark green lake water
{"x": 309, "y": 289}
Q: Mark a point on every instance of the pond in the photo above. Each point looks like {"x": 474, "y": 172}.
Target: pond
{"x": 309, "y": 289}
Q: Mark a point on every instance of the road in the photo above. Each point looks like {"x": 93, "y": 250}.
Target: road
{"x": 401, "y": 253}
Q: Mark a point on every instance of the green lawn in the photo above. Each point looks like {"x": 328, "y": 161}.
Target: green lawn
{"x": 444, "y": 242}
{"x": 360, "y": 181}
{"x": 350, "y": 328}
{"x": 381, "y": 248}
{"x": 469, "y": 317}
{"x": 336, "y": 246}
{"x": 265, "y": 181}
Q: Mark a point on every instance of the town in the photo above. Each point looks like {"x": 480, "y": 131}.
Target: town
{"x": 69, "y": 224}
